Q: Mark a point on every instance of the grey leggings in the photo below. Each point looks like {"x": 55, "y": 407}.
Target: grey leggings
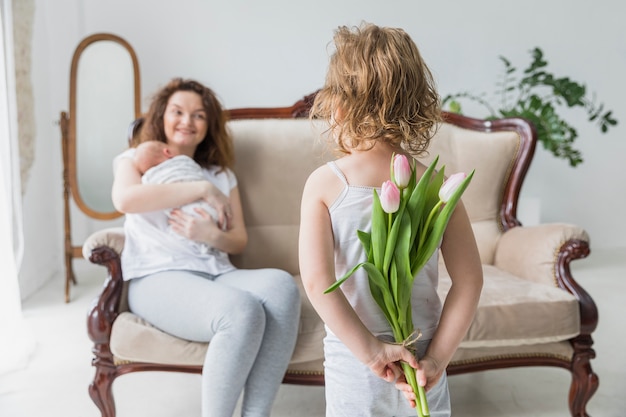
{"x": 251, "y": 319}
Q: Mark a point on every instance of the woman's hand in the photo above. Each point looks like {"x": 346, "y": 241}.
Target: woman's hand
{"x": 428, "y": 373}
{"x": 221, "y": 203}
{"x": 200, "y": 227}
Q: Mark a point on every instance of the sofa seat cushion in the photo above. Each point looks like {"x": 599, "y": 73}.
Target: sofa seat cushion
{"x": 514, "y": 312}
{"x": 133, "y": 339}
{"x": 555, "y": 350}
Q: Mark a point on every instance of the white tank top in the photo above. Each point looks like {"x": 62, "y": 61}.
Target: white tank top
{"x": 350, "y": 212}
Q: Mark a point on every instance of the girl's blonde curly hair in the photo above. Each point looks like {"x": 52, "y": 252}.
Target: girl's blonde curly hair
{"x": 378, "y": 88}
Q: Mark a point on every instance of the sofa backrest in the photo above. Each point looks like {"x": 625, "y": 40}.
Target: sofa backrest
{"x": 273, "y": 159}
{"x": 275, "y": 153}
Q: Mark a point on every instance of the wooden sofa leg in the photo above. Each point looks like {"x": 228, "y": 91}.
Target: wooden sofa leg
{"x": 584, "y": 381}
{"x": 101, "y": 390}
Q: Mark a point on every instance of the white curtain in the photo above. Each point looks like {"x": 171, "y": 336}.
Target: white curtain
{"x": 16, "y": 341}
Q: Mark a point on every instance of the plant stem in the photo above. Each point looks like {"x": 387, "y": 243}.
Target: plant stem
{"x": 427, "y": 223}
{"x": 421, "y": 404}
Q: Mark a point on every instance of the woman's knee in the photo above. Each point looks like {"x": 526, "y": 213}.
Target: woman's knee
{"x": 244, "y": 311}
{"x": 285, "y": 292}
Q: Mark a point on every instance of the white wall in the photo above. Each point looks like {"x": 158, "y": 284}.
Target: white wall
{"x": 271, "y": 53}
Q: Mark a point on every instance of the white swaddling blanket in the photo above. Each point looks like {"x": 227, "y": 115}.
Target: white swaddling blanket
{"x": 180, "y": 168}
{"x": 177, "y": 169}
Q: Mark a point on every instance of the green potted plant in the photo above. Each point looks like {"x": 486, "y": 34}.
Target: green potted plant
{"x": 537, "y": 95}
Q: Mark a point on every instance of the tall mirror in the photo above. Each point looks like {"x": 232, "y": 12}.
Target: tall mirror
{"x": 104, "y": 99}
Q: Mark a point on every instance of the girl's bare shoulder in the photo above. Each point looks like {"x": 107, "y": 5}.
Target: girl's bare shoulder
{"x": 321, "y": 174}
{"x": 323, "y": 184}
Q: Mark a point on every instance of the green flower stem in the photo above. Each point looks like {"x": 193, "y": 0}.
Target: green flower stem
{"x": 395, "y": 325}
{"x": 427, "y": 223}
{"x": 421, "y": 405}
{"x": 389, "y": 224}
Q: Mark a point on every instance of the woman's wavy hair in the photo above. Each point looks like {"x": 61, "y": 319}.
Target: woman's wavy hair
{"x": 382, "y": 88}
{"x": 216, "y": 148}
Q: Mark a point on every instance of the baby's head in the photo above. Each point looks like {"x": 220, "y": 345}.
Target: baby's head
{"x": 151, "y": 153}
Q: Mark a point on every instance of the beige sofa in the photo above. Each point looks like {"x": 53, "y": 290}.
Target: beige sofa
{"x": 531, "y": 313}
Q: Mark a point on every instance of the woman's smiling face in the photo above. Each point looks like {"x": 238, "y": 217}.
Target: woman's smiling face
{"x": 185, "y": 121}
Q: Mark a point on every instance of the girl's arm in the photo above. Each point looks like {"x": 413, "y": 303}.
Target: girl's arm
{"x": 462, "y": 260}
{"x": 316, "y": 254}
{"x": 131, "y": 196}
{"x": 203, "y": 228}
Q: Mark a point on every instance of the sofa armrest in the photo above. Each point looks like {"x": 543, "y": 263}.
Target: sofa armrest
{"x": 532, "y": 252}
{"x": 104, "y": 248}
{"x": 543, "y": 254}
{"x": 112, "y": 237}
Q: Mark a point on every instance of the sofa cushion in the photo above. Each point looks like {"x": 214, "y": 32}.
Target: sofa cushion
{"x": 557, "y": 350}
{"x": 506, "y": 300}
{"x": 133, "y": 340}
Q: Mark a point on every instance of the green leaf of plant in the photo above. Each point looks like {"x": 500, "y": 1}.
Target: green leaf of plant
{"x": 434, "y": 238}
{"x": 366, "y": 242}
{"x": 379, "y": 231}
{"x": 403, "y": 266}
{"x": 380, "y": 287}
{"x": 537, "y": 90}
{"x": 393, "y": 236}
{"x": 417, "y": 201}
{"x": 432, "y": 193}
{"x": 343, "y": 279}
{"x": 394, "y": 284}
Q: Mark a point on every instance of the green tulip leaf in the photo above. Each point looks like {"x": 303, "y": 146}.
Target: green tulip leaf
{"x": 379, "y": 285}
{"x": 343, "y": 279}
{"x": 417, "y": 201}
{"x": 393, "y": 235}
{"x": 434, "y": 238}
{"x": 366, "y": 242}
{"x": 379, "y": 230}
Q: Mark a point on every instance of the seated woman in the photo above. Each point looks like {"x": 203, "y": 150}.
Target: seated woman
{"x": 250, "y": 317}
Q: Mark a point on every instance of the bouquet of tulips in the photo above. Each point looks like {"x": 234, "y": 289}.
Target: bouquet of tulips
{"x": 409, "y": 218}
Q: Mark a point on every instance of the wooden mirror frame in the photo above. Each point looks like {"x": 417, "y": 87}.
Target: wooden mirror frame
{"x": 68, "y": 124}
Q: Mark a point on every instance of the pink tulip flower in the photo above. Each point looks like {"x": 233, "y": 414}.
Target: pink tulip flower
{"x": 401, "y": 171}
{"x": 450, "y": 185}
{"x": 389, "y": 197}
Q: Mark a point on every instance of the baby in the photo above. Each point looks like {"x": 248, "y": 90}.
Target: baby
{"x": 159, "y": 165}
